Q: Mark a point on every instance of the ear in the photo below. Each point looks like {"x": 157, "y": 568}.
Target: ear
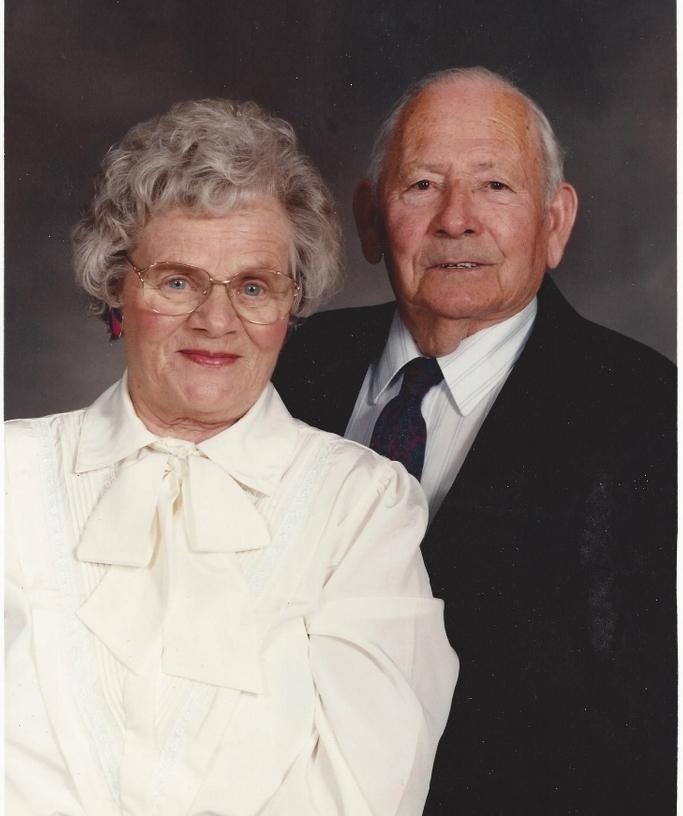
{"x": 562, "y": 214}
{"x": 366, "y": 213}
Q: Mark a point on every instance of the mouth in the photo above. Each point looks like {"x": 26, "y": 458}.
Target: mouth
{"x": 459, "y": 265}
{"x": 210, "y": 359}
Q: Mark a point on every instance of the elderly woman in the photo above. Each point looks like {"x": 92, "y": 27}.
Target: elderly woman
{"x": 213, "y": 608}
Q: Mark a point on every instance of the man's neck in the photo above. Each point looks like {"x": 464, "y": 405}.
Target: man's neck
{"x": 437, "y": 336}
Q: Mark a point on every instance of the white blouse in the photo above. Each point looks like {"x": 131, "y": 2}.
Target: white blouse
{"x": 244, "y": 626}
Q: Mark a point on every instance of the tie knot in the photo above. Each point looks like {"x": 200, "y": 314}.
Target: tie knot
{"x": 419, "y": 375}
{"x": 179, "y": 448}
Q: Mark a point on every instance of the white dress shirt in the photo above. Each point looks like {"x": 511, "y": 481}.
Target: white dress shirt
{"x": 163, "y": 662}
{"x": 455, "y": 409}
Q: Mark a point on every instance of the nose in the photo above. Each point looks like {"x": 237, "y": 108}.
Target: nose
{"x": 216, "y": 315}
{"x": 457, "y": 212}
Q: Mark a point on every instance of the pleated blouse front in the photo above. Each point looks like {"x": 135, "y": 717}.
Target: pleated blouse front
{"x": 337, "y": 700}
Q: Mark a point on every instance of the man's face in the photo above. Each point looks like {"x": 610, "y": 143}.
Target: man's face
{"x": 461, "y": 213}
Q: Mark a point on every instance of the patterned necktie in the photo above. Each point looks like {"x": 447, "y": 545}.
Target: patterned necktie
{"x": 400, "y": 432}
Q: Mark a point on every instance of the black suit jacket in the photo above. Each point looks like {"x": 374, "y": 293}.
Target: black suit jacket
{"x": 555, "y": 554}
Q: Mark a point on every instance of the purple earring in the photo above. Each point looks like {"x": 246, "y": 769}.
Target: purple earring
{"x": 115, "y": 323}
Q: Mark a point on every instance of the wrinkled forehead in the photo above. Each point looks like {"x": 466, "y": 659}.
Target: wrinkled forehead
{"x": 459, "y": 115}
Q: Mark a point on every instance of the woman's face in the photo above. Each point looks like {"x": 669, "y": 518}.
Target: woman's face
{"x": 195, "y": 375}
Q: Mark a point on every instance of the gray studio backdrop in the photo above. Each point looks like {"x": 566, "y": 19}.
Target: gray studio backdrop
{"x": 79, "y": 74}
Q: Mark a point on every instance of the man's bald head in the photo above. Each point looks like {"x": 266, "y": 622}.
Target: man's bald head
{"x": 552, "y": 154}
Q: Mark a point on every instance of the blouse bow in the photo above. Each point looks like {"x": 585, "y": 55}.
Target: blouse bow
{"x": 171, "y": 526}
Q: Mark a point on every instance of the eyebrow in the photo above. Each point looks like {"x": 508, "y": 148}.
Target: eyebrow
{"x": 418, "y": 167}
{"x": 442, "y": 168}
{"x": 485, "y": 165}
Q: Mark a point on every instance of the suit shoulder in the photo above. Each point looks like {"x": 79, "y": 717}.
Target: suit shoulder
{"x": 343, "y": 322}
{"x": 617, "y": 357}
{"x": 322, "y": 364}
{"x": 588, "y": 355}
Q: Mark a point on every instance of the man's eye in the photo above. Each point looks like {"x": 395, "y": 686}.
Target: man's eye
{"x": 497, "y": 185}
{"x": 423, "y": 184}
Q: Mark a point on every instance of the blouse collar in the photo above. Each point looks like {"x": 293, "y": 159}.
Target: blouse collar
{"x": 255, "y": 451}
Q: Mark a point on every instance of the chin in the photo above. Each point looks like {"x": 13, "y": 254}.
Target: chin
{"x": 456, "y": 305}
{"x": 215, "y": 406}
{"x": 450, "y": 291}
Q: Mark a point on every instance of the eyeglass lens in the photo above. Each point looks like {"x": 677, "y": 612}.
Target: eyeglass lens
{"x": 257, "y": 295}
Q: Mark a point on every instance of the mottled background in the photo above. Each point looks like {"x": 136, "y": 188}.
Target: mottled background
{"x": 79, "y": 74}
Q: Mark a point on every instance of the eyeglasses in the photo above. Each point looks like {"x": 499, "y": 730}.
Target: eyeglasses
{"x": 258, "y": 295}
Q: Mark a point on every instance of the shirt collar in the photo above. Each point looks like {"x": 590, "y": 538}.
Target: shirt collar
{"x": 255, "y": 451}
{"x": 400, "y": 349}
{"x": 472, "y": 370}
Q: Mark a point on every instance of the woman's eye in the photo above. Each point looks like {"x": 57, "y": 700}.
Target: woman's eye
{"x": 253, "y": 289}
{"x": 497, "y": 185}
{"x": 176, "y": 284}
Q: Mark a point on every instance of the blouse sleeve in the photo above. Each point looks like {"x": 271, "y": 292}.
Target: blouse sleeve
{"x": 382, "y": 666}
{"x": 37, "y": 779}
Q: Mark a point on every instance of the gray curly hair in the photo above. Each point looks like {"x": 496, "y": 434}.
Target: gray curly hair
{"x": 206, "y": 157}
{"x": 552, "y": 153}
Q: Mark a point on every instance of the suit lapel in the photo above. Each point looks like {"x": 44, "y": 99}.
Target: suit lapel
{"x": 485, "y": 547}
{"x": 337, "y": 348}
{"x": 510, "y": 449}
{"x": 365, "y": 342}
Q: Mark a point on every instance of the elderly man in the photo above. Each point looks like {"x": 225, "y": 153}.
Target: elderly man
{"x": 546, "y": 447}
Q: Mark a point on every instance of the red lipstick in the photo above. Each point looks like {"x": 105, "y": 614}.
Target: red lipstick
{"x": 211, "y": 359}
